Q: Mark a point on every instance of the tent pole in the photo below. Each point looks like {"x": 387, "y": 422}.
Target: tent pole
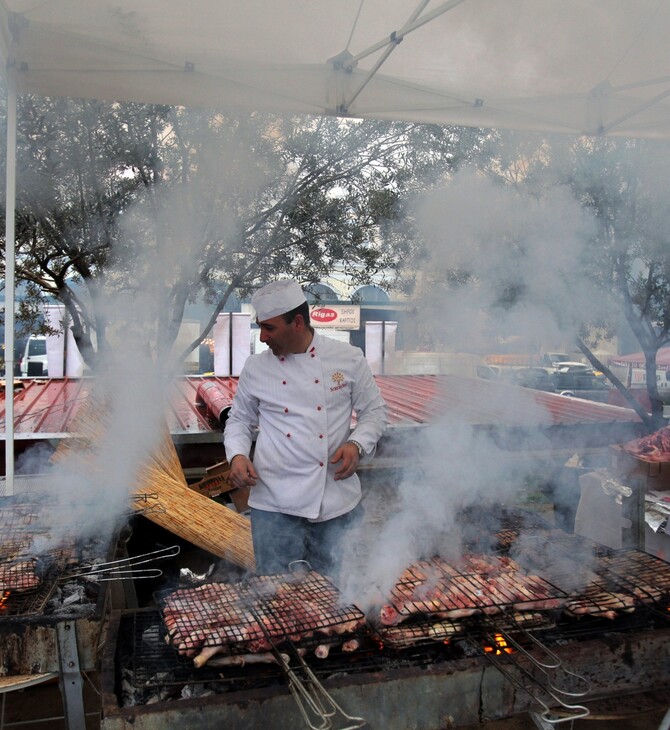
{"x": 10, "y": 249}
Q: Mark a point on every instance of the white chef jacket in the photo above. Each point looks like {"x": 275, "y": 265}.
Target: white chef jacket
{"x": 299, "y": 407}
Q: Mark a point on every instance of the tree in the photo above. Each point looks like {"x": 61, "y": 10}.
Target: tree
{"x": 72, "y": 189}
{"x": 623, "y": 183}
{"x": 155, "y": 206}
{"x": 536, "y": 252}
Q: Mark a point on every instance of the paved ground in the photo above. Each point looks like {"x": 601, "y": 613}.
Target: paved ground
{"x": 643, "y": 721}
{"x": 639, "y": 712}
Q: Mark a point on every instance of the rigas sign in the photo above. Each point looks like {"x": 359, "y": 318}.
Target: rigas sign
{"x": 336, "y": 316}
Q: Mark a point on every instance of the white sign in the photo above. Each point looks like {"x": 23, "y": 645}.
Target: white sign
{"x": 379, "y": 344}
{"x": 231, "y": 343}
{"x": 336, "y": 316}
{"x": 63, "y": 357}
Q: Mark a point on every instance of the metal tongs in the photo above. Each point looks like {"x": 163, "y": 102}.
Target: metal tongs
{"x": 125, "y": 567}
{"x": 564, "y": 698}
{"x": 315, "y": 703}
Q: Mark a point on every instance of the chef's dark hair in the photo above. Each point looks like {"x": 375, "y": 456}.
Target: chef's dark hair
{"x": 302, "y": 309}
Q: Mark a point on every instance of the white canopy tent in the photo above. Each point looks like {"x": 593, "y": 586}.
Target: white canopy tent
{"x": 573, "y": 66}
{"x": 577, "y": 66}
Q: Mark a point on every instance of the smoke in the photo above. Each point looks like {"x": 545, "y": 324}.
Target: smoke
{"x": 455, "y": 466}
{"x": 500, "y": 264}
{"x": 88, "y": 482}
{"x": 170, "y": 234}
{"x": 503, "y": 263}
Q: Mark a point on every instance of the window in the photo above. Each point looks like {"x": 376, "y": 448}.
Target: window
{"x": 37, "y": 347}
{"x": 315, "y": 293}
{"x": 370, "y": 294}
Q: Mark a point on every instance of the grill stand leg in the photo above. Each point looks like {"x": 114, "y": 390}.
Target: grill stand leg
{"x": 70, "y": 679}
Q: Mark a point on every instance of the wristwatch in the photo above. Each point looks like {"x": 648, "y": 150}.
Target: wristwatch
{"x": 358, "y": 446}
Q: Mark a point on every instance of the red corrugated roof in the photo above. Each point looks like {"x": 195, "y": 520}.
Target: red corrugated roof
{"x": 45, "y": 408}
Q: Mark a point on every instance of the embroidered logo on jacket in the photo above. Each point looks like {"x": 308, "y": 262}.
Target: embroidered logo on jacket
{"x": 338, "y": 378}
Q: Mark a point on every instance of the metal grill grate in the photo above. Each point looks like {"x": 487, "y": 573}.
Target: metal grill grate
{"x": 253, "y": 615}
{"x": 496, "y": 528}
{"x": 150, "y": 661}
{"x": 605, "y": 583}
{"x": 149, "y": 670}
{"x": 436, "y": 586}
{"x": 421, "y": 631}
{"x": 645, "y": 576}
{"x": 32, "y": 562}
{"x": 28, "y": 583}
{"x": 600, "y": 600}
{"x": 23, "y": 485}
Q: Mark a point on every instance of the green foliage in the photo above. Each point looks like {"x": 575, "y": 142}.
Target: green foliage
{"x": 153, "y": 207}
{"x": 623, "y": 184}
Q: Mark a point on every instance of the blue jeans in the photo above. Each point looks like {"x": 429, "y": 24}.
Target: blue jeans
{"x": 280, "y": 539}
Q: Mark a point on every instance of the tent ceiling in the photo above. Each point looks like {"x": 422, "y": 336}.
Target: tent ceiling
{"x": 576, "y": 66}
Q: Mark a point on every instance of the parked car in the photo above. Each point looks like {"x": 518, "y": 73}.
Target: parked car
{"x": 581, "y": 385}
{"x": 549, "y": 359}
{"x": 536, "y": 378}
{"x": 573, "y": 367}
{"x": 487, "y": 372}
{"x": 34, "y": 360}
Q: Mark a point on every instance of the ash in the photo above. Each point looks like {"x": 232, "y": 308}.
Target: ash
{"x": 78, "y": 595}
{"x": 72, "y": 597}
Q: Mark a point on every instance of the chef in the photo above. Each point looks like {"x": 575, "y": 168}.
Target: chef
{"x": 296, "y": 400}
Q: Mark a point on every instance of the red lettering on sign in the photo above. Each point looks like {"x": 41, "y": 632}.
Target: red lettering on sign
{"x": 323, "y": 315}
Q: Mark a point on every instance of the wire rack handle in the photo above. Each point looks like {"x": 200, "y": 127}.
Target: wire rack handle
{"x": 126, "y": 564}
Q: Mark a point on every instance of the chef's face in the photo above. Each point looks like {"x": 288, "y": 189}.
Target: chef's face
{"x": 283, "y": 338}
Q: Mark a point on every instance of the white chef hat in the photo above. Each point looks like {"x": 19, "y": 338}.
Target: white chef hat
{"x": 277, "y": 297}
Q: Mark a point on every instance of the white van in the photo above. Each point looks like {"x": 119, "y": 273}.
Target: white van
{"x": 34, "y": 361}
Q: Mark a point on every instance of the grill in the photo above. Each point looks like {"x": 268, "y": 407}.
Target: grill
{"x": 615, "y": 581}
{"x": 561, "y": 659}
{"x": 147, "y": 683}
{"x": 257, "y": 615}
{"x": 32, "y": 580}
{"x": 53, "y": 592}
{"x": 29, "y": 576}
{"x": 436, "y": 586}
{"x": 645, "y": 576}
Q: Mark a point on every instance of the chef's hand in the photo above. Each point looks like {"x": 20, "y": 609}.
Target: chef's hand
{"x": 347, "y": 454}
{"x": 242, "y": 472}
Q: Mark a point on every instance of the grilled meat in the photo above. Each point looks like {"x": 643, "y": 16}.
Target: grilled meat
{"x": 599, "y": 602}
{"x": 487, "y": 585}
{"x": 241, "y": 660}
{"x": 489, "y": 564}
{"x": 224, "y": 618}
{"x": 19, "y": 576}
{"x": 420, "y": 631}
{"x": 654, "y": 447}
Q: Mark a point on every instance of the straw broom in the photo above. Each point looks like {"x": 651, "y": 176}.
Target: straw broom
{"x": 196, "y": 518}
